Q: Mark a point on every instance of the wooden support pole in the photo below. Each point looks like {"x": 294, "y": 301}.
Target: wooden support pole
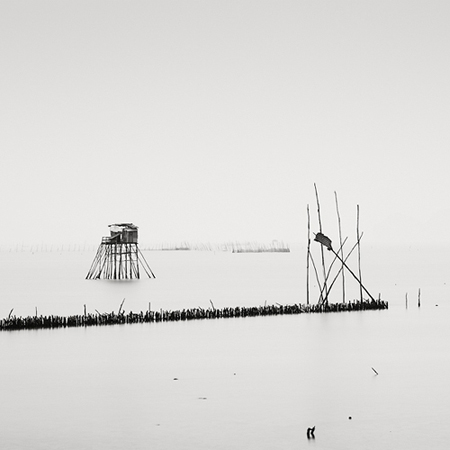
{"x": 317, "y": 278}
{"x": 118, "y": 261}
{"x": 354, "y": 276}
{"x": 329, "y": 272}
{"x": 145, "y": 265}
{"x": 136, "y": 256}
{"x": 308, "y": 253}
{"x": 359, "y": 253}
{"x": 341, "y": 246}
{"x": 321, "y": 248}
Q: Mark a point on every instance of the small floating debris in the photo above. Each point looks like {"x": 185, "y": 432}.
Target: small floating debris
{"x": 376, "y": 373}
{"x": 310, "y": 432}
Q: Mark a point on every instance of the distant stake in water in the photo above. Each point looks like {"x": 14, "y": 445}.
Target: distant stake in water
{"x": 120, "y": 308}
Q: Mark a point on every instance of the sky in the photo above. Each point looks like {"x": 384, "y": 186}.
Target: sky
{"x": 211, "y": 121}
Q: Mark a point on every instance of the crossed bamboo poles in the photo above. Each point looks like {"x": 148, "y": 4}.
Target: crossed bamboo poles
{"x": 326, "y": 242}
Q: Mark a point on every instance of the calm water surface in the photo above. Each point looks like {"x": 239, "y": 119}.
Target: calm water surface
{"x": 255, "y": 383}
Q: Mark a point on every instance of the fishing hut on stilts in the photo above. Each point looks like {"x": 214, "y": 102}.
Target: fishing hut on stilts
{"x": 118, "y": 256}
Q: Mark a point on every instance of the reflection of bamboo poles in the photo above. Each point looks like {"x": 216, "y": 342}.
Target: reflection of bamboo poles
{"x": 321, "y": 248}
{"x": 340, "y": 243}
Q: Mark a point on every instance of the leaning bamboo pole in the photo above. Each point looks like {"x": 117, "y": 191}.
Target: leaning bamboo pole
{"x": 326, "y": 242}
{"x": 340, "y": 243}
{"x": 356, "y": 278}
{"x": 321, "y": 248}
{"x": 359, "y": 253}
{"x": 145, "y": 265}
{"x": 330, "y": 286}
{"x": 329, "y": 273}
{"x": 308, "y": 251}
{"x": 317, "y": 277}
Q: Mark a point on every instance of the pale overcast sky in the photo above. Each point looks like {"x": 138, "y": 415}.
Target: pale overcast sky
{"x": 212, "y": 120}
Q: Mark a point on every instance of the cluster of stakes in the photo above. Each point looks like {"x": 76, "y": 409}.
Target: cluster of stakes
{"x": 13, "y": 322}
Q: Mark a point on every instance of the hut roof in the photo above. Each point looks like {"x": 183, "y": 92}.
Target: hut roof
{"x": 122, "y": 226}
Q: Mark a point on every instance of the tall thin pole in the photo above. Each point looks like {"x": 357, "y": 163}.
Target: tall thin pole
{"x": 308, "y": 255}
{"x": 341, "y": 246}
{"x": 359, "y": 252}
{"x": 136, "y": 258}
{"x": 321, "y": 248}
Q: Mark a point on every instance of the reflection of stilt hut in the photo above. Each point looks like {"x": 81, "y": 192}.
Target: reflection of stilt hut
{"x": 118, "y": 256}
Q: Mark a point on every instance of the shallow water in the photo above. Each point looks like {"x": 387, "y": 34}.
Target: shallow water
{"x": 256, "y": 382}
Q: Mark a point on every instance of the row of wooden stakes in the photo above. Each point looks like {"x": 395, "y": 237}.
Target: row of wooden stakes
{"x": 98, "y": 319}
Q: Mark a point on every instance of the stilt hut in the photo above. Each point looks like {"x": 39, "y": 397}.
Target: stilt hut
{"x": 118, "y": 256}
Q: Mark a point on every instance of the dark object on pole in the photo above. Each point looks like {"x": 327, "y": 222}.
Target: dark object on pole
{"x": 326, "y": 242}
{"x": 310, "y": 432}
